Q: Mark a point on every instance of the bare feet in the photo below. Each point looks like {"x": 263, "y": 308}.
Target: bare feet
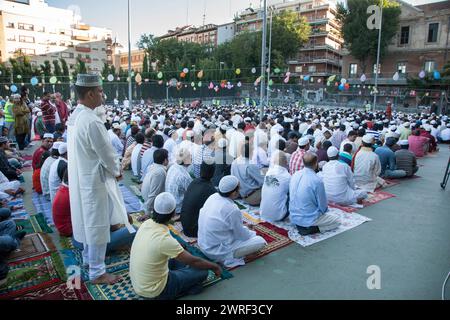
{"x": 108, "y": 279}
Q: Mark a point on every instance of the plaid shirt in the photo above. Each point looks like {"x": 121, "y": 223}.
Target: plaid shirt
{"x": 296, "y": 163}
{"x": 204, "y": 154}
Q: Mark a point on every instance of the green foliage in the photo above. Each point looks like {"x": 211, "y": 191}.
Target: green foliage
{"x": 360, "y": 41}
{"x": 65, "y": 68}
{"x": 57, "y": 71}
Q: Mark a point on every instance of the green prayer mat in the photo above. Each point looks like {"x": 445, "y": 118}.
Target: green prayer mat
{"x": 36, "y": 224}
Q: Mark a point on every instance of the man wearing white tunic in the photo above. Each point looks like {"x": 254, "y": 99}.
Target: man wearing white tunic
{"x": 57, "y": 170}
{"x": 367, "y": 166}
{"x": 45, "y": 170}
{"x": 275, "y": 191}
{"x": 94, "y": 169}
{"x": 222, "y": 235}
{"x": 339, "y": 181}
{"x": 8, "y": 188}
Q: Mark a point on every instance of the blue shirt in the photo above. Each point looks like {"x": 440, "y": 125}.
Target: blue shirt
{"x": 147, "y": 161}
{"x": 308, "y": 200}
{"x": 387, "y": 159}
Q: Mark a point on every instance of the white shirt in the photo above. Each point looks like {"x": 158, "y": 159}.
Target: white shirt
{"x": 171, "y": 146}
{"x": 237, "y": 139}
{"x": 221, "y": 229}
{"x": 177, "y": 182}
{"x": 274, "y": 195}
{"x": 147, "y": 161}
{"x": 367, "y": 170}
{"x": 57, "y": 118}
{"x": 274, "y": 142}
{"x": 134, "y": 159}
{"x": 445, "y": 134}
{"x": 339, "y": 183}
{"x": 53, "y": 179}
{"x": 45, "y": 172}
{"x": 116, "y": 143}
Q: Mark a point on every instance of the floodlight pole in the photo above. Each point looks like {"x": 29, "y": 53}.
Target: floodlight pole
{"x": 130, "y": 89}
{"x": 263, "y": 61}
{"x": 378, "y": 60}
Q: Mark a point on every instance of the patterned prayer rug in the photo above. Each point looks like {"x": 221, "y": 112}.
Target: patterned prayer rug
{"x": 42, "y": 205}
{"x": 348, "y": 222}
{"x": 276, "y": 238}
{"x": 177, "y": 228}
{"x": 66, "y": 243}
{"x": 114, "y": 262}
{"x": 31, "y": 246}
{"x": 58, "y": 292}
{"x": 36, "y": 224}
{"x": 20, "y": 214}
{"x": 132, "y": 202}
{"x": 389, "y": 183}
{"x": 33, "y": 274}
{"x": 372, "y": 199}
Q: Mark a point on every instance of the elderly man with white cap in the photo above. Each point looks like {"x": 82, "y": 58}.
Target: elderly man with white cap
{"x": 57, "y": 170}
{"x": 94, "y": 172}
{"x": 296, "y": 162}
{"x": 339, "y": 181}
{"x": 367, "y": 166}
{"x": 160, "y": 268}
{"x": 222, "y": 235}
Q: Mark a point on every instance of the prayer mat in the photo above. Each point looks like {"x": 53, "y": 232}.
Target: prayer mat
{"x": 44, "y": 206}
{"x": 136, "y": 216}
{"x": 251, "y": 218}
{"x": 132, "y": 202}
{"x": 177, "y": 228}
{"x": 33, "y": 274}
{"x": 20, "y": 214}
{"x": 58, "y": 292}
{"x": 36, "y": 224}
{"x": 136, "y": 180}
{"x": 348, "y": 222}
{"x": 66, "y": 243}
{"x": 114, "y": 262}
{"x": 376, "y": 197}
{"x": 275, "y": 237}
{"x": 31, "y": 246}
{"x": 136, "y": 191}
{"x": 389, "y": 183}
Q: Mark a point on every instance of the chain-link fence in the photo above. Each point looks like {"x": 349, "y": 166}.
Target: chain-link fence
{"x": 357, "y": 96}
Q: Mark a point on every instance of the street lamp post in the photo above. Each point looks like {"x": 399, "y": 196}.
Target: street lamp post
{"x": 270, "y": 56}
{"x": 263, "y": 61}
{"x": 130, "y": 89}
{"x": 377, "y": 70}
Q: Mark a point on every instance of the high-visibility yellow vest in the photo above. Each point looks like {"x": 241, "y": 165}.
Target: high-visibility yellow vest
{"x": 9, "y": 117}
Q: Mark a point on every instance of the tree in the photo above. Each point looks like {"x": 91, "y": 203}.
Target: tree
{"x": 80, "y": 67}
{"x": 46, "y": 68}
{"x": 65, "y": 69}
{"x": 57, "y": 71}
{"x": 145, "y": 67}
{"x": 360, "y": 41}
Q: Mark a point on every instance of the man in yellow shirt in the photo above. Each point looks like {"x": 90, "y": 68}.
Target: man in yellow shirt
{"x": 159, "y": 266}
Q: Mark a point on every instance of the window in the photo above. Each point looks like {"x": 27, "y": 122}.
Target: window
{"x": 353, "y": 69}
{"x": 375, "y": 68}
{"x": 429, "y": 66}
{"x": 312, "y": 69}
{"x": 10, "y": 25}
{"x": 27, "y": 51}
{"x": 299, "y": 69}
{"x": 401, "y": 67}
{"x": 433, "y": 32}
{"x": 11, "y": 38}
{"x": 40, "y": 29}
{"x": 404, "y": 35}
{"x": 26, "y": 39}
{"x": 24, "y": 26}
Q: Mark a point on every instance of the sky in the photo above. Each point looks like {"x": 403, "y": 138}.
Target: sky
{"x": 157, "y": 16}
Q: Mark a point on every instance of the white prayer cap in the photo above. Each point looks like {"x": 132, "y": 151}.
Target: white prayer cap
{"x": 279, "y": 128}
{"x": 228, "y": 184}
{"x": 116, "y": 126}
{"x": 407, "y": 124}
{"x": 368, "y": 138}
{"x": 316, "y": 121}
{"x": 165, "y": 203}
{"x": 303, "y": 141}
{"x": 56, "y": 145}
{"x": 248, "y": 119}
{"x": 224, "y": 127}
{"x": 433, "y": 122}
{"x": 403, "y": 143}
{"x": 222, "y": 143}
{"x": 393, "y": 128}
{"x": 62, "y": 149}
{"x": 39, "y": 114}
{"x": 49, "y": 136}
{"x": 88, "y": 80}
{"x": 332, "y": 152}
{"x": 448, "y": 125}
{"x": 355, "y": 126}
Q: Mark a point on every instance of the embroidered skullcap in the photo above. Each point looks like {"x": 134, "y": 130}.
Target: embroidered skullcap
{"x": 165, "y": 203}
{"x": 89, "y": 80}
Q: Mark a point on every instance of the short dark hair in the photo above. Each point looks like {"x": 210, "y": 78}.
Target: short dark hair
{"x": 55, "y": 153}
{"x": 326, "y": 145}
{"x": 281, "y": 145}
{"x": 158, "y": 141}
{"x": 241, "y": 125}
{"x": 134, "y": 130}
{"x": 191, "y": 124}
{"x": 162, "y": 218}
{"x": 361, "y": 132}
{"x": 160, "y": 155}
{"x": 81, "y": 91}
{"x": 207, "y": 171}
{"x": 140, "y": 138}
{"x": 348, "y": 148}
{"x": 352, "y": 133}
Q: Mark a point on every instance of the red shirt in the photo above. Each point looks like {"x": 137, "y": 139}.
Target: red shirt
{"x": 63, "y": 111}
{"x": 61, "y": 211}
{"x": 37, "y": 181}
{"x": 417, "y": 145}
{"x": 433, "y": 144}
{"x": 37, "y": 157}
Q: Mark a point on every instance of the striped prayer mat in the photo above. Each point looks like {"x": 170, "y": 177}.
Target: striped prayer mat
{"x": 36, "y": 224}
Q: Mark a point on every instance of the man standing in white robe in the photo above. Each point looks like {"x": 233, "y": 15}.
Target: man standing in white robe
{"x": 94, "y": 169}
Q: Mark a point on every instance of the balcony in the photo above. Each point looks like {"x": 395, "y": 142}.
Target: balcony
{"x": 82, "y": 26}
{"x": 383, "y": 79}
{"x": 81, "y": 38}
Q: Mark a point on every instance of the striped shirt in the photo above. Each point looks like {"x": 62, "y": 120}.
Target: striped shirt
{"x": 48, "y": 113}
{"x": 296, "y": 163}
{"x": 145, "y": 147}
{"x": 406, "y": 160}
